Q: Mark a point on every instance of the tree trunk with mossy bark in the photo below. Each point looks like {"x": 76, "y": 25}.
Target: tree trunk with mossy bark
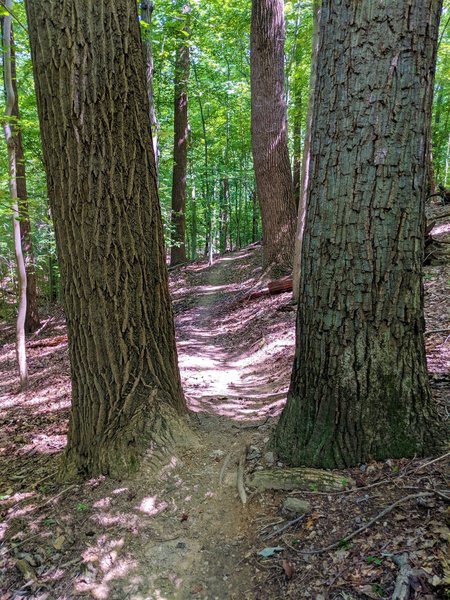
{"x": 94, "y": 115}
{"x": 359, "y": 387}
{"x": 269, "y": 135}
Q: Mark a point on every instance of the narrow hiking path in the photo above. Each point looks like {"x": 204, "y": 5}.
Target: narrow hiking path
{"x": 230, "y": 394}
{"x": 226, "y": 390}
{"x": 225, "y": 350}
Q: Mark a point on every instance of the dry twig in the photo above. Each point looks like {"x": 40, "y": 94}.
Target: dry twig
{"x": 439, "y": 458}
{"x": 280, "y": 530}
{"x": 351, "y": 491}
{"x": 255, "y": 426}
{"x": 240, "y": 476}
{"x": 433, "y": 331}
{"x": 350, "y": 536}
{"x": 224, "y": 466}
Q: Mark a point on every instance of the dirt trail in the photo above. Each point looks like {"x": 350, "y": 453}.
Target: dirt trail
{"x": 227, "y": 391}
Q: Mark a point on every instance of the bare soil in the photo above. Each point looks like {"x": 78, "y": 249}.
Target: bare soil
{"x": 183, "y": 532}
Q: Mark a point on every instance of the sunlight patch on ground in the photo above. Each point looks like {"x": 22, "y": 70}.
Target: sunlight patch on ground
{"x": 44, "y": 444}
{"x": 151, "y": 506}
{"x": 125, "y": 520}
{"x": 441, "y": 229}
{"x": 105, "y": 559}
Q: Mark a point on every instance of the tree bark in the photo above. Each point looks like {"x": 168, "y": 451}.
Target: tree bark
{"x": 359, "y": 387}
{"x": 180, "y": 147}
{"x": 269, "y": 135}
{"x": 94, "y": 114}
{"x": 32, "y": 313}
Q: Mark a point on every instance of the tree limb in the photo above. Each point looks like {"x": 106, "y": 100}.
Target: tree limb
{"x": 350, "y": 536}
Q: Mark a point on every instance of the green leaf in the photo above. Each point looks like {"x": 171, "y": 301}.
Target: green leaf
{"x": 374, "y": 560}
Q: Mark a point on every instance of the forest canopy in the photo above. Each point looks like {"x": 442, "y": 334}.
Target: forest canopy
{"x": 219, "y": 125}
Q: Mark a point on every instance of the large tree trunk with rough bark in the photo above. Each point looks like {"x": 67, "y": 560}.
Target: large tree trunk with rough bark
{"x": 180, "y": 147}
{"x": 16, "y": 143}
{"x": 94, "y": 115}
{"x": 359, "y": 387}
{"x": 269, "y": 135}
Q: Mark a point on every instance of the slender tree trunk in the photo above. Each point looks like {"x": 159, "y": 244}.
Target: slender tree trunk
{"x": 147, "y": 8}
{"x": 224, "y": 214}
{"x": 180, "y": 147}
{"x": 32, "y": 312}
{"x": 52, "y": 284}
{"x": 359, "y": 387}
{"x": 254, "y": 217}
{"x": 94, "y": 114}
{"x": 10, "y": 130}
{"x": 207, "y": 203}
{"x": 194, "y": 233}
{"x": 269, "y": 135}
{"x": 306, "y": 158}
{"x": 297, "y": 164}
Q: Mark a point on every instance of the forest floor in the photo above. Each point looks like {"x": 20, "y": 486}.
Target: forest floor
{"x": 184, "y": 533}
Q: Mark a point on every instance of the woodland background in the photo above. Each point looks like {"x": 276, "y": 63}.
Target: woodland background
{"x": 221, "y": 195}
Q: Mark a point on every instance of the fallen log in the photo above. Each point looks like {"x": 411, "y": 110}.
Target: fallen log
{"x": 277, "y": 286}
{"x": 48, "y": 342}
{"x": 257, "y": 294}
{"x": 300, "y": 479}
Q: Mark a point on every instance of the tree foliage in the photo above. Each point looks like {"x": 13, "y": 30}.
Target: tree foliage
{"x": 219, "y": 88}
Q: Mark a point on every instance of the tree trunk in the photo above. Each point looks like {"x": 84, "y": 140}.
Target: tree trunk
{"x": 269, "y": 135}
{"x": 101, "y": 175}
{"x": 205, "y": 190}
{"x": 180, "y": 146}
{"x": 359, "y": 387}
{"x": 304, "y": 173}
{"x": 224, "y": 214}
{"x": 297, "y": 135}
{"x": 147, "y": 8}
{"x": 32, "y": 312}
{"x": 11, "y": 143}
{"x": 254, "y": 217}
{"x": 194, "y": 233}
